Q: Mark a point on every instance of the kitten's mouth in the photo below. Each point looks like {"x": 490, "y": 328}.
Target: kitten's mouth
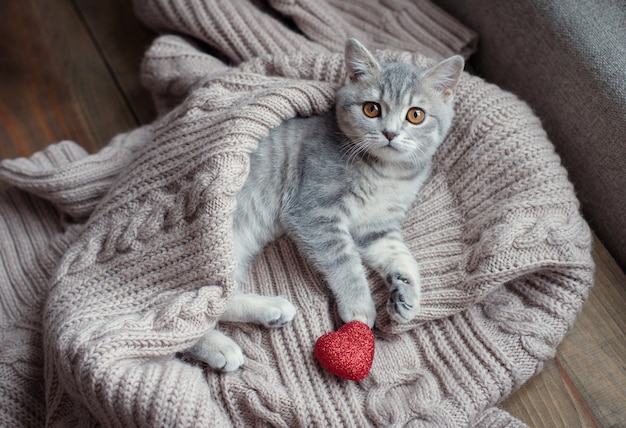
{"x": 390, "y": 146}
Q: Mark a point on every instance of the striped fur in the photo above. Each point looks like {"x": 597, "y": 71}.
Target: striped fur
{"x": 340, "y": 187}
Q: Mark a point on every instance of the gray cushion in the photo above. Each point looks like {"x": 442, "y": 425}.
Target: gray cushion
{"x": 567, "y": 59}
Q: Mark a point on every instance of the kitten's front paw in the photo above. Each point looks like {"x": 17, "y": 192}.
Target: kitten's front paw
{"x": 404, "y": 299}
{"x": 219, "y": 351}
{"x": 362, "y": 310}
{"x": 278, "y": 312}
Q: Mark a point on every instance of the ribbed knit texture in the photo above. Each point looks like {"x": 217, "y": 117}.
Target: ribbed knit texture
{"x": 131, "y": 260}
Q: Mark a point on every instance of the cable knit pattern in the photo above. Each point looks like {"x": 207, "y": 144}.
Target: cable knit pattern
{"x": 128, "y": 252}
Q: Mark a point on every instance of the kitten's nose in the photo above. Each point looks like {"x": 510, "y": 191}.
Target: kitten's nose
{"x": 389, "y": 135}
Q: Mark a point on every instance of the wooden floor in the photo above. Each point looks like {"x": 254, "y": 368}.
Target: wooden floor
{"x": 69, "y": 70}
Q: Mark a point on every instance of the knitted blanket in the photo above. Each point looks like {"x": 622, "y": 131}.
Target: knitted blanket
{"x": 113, "y": 263}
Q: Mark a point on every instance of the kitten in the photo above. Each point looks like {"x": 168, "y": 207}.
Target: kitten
{"x": 339, "y": 185}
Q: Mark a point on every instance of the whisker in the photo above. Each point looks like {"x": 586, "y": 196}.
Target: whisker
{"x": 353, "y": 148}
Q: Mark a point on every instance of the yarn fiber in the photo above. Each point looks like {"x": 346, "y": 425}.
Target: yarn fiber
{"x": 121, "y": 259}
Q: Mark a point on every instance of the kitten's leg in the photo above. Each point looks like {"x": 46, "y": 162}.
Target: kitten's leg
{"x": 389, "y": 256}
{"x": 250, "y": 235}
{"x": 219, "y": 351}
{"x": 215, "y": 348}
{"x": 328, "y": 244}
{"x": 268, "y": 311}
{"x": 223, "y": 353}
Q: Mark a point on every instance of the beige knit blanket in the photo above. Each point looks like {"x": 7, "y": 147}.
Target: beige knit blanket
{"x": 115, "y": 262}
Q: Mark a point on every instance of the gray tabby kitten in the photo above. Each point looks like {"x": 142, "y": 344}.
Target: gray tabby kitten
{"x": 339, "y": 185}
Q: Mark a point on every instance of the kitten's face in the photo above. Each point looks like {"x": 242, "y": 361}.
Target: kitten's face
{"x": 395, "y": 112}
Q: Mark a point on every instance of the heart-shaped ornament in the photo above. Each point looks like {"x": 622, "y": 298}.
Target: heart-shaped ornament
{"x": 347, "y": 352}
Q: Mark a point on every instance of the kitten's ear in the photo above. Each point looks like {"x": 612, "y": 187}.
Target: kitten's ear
{"x": 359, "y": 61}
{"x": 444, "y": 76}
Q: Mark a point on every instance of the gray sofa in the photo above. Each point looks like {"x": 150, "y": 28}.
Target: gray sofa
{"x": 567, "y": 59}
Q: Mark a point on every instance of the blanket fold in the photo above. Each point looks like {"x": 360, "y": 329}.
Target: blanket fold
{"x": 128, "y": 252}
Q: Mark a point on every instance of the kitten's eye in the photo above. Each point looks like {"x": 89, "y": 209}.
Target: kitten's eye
{"x": 371, "y": 109}
{"x": 415, "y": 115}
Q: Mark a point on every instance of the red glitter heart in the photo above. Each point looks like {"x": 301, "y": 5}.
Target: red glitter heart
{"x": 347, "y": 352}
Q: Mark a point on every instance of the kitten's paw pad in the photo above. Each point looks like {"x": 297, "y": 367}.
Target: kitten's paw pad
{"x": 278, "y": 312}
{"x": 362, "y": 310}
{"x": 403, "y": 303}
{"x": 219, "y": 351}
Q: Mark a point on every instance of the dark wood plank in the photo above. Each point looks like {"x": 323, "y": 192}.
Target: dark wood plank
{"x": 122, "y": 40}
{"x": 586, "y": 384}
{"x": 54, "y": 84}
